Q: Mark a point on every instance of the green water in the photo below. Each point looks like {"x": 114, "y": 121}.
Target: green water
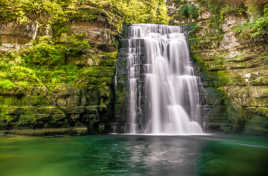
{"x": 134, "y": 156}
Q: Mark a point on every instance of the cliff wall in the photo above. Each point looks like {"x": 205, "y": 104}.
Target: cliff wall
{"x": 228, "y": 41}
{"x": 57, "y": 60}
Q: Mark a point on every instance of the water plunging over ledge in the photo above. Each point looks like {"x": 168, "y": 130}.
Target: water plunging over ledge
{"x": 163, "y": 90}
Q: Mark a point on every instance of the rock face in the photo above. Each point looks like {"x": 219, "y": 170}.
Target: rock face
{"x": 57, "y": 62}
{"x": 96, "y": 34}
{"x": 233, "y": 72}
{"x": 15, "y": 36}
{"x": 85, "y": 104}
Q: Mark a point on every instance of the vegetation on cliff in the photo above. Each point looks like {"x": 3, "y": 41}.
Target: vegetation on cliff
{"x": 58, "y": 63}
{"x": 229, "y": 42}
{"x": 53, "y": 11}
{"x": 255, "y": 10}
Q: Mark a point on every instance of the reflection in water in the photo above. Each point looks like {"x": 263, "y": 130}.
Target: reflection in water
{"x": 134, "y": 156}
{"x": 165, "y": 155}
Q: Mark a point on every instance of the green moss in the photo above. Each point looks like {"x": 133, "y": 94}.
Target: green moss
{"x": 59, "y": 62}
{"x": 48, "y": 52}
{"x": 199, "y": 59}
{"x": 224, "y": 78}
{"x": 6, "y": 84}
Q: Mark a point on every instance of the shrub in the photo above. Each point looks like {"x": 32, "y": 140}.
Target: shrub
{"x": 48, "y": 52}
{"x": 189, "y": 11}
{"x": 44, "y": 53}
{"x": 254, "y": 29}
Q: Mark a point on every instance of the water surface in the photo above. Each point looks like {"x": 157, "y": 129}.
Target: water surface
{"x": 134, "y": 156}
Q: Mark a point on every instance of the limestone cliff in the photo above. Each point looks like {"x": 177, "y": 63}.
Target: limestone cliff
{"x": 57, "y": 60}
{"x": 232, "y": 60}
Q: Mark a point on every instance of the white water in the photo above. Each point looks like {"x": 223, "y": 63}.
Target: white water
{"x": 163, "y": 90}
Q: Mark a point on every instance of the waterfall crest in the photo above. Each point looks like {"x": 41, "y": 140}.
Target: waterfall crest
{"x": 163, "y": 90}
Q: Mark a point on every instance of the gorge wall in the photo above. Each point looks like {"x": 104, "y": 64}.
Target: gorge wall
{"x": 231, "y": 57}
{"x": 57, "y": 60}
{"x": 58, "y": 57}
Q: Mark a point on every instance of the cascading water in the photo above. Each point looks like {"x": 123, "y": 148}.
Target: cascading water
{"x": 163, "y": 91}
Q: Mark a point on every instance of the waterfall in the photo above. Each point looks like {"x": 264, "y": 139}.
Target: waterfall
{"x": 163, "y": 90}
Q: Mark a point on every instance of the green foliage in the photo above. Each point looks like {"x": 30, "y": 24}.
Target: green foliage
{"x": 117, "y": 12}
{"x": 228, "y": 9}
{"x": 58, "y": 58}
{"x": 214, "y": 6}
{"x": 35, "y": 9}
{"x": 6, "y": 84}
{"x": 219, "y": 9}
{"x": 189, "y": 11}
{"x": 140, "y": 11}
{"x": 251, "y": 8}
{"x": 257, "y": 28}
{"x": 8, "y": 9}
{"x": 44, "y": 53}
{"x": 199, "y": 59}
{"x": 178, "y": 1}
{"x": 87, "y": 14}
{"x": 58, "y": 13}
{"x": 65, "y": 2}
{"x": 223, "y": 78}
{"x": 59, "y": 26}
{"x": 48, "y": 52}
{"x": 75, "y": 46}
{"x": 25, "y": 11}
